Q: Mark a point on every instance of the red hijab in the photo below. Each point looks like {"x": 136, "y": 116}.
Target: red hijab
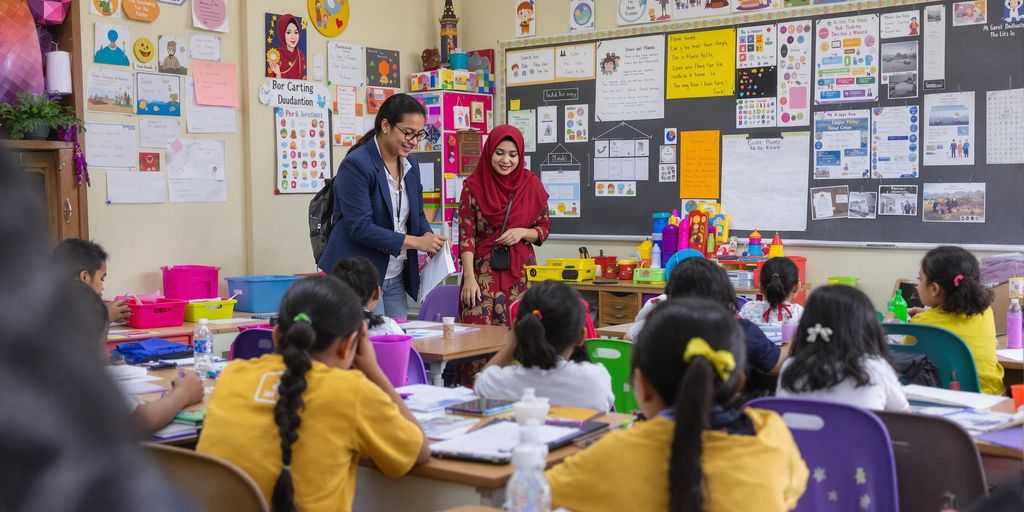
{"x": 492, "y": 192}
{"x": 293, "y": 62}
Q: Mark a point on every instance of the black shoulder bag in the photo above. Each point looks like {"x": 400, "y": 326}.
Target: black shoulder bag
{"x": 501, "y": 257}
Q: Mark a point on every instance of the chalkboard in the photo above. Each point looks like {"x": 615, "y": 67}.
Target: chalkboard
{"x": 978, "y": 58}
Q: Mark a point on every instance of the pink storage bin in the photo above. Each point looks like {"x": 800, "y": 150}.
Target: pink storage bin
{"x": 158, "y": 313}
{"x": 393, "y": 356}
{"x": 187, "y": 282}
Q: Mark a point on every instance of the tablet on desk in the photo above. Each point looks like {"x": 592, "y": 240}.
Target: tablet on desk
{"x": 481, "y": 407}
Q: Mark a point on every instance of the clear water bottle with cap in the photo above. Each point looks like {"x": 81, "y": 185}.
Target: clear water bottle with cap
{"x": 1013, "y": 325}
{"x": 528, "y": 489}
{"x": 202, "y": 351}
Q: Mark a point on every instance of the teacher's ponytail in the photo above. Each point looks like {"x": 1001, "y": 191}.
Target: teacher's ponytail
{"x": 394, "y": 109}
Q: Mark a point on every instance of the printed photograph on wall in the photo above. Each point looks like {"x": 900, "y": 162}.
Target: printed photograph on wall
{"x": 897, "y": 200}
{"x": 863, "y": 205}
{"x": 158, "y": 95}
{"x": 173, "y": 55}
{"x": 285, "y": 46}
{"x": 953, "y": 202}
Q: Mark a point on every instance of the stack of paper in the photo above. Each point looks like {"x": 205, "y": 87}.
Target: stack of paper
{"x": 425, "y": 398}
{"x": 446, "y": 426}
{"x": 175, "y": 431}
{"x": 941, "y": 396}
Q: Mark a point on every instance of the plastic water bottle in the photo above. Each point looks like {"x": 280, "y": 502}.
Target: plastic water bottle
{"x": 1013, "y": 325}
{"x": 202, "y": 351}
{"x": 656, "y": 257}
{"x": 528, "y": 489}
{"x": 898, "y": 306}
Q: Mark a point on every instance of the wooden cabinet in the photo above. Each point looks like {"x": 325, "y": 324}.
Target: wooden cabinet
{"x": 50, "y": 168}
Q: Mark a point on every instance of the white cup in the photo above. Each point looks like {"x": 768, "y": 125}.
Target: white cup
{"x": 448, "y": 327}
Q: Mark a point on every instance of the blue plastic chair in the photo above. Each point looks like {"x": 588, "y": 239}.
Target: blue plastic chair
{"x": 944, "y": 349}
{"x": 442, "y": 301}
{"x": 417, "y": 373}
{"x": 252, "y": 343}
{"x": 847, "y": 451}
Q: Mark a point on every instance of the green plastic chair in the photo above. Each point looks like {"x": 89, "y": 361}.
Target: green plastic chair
{"x": 944, "y": 349}
{"x": 616, "y": 355}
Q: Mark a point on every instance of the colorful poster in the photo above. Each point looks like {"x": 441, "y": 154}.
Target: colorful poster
{"x": 158, "y": 132}
{"x": 564, "y": 197}
{"x": 303, "y": 149}
{"x": 933, "y": 65}
{"x": 953, "y": 202}
{"x": 526, "y": 18}
{"x": 577, "y": 123}
{"x": 105, "y": 8}
{"x": 158, "y": 95}
{"x": 974, "y": 12}
{"x": 699, "y": 153}
{"x": 526, "y": 122}
{"x": 899, "y": 200}
{"x": 755, "y": 46}
{"x": 581, "y": 15}
{"x": 633, "y": 12}
{"x": 547, "y": 124}
{"x": 382, "y": 68}
{"x": 830, "y": 202}
{"x": 699, "y": 64}
{"x": 846, "y": 61}
{"x": 895, "y": 142}
{"x": 901, "y": 24}
{"x": 756, "y": 112}
{"x": 111, "y": 145}
{"x": 615, "y": 189}
{"x": 863, "y": 205}
{"x": 1013, "y": 11}
{"x": 172, "y": 55}
{"x": 746, "y": 187}
{"x": 794, "y": 73}
{"x": 530, "y": 67}
{"x": 574, "y": 62}
{"x": 949, "y": 128}
{"x": 110, "y": 90}
{"x": 631, "y": 79}
{"x": 1004, "y": 127}
{"x": 330, "y": 17}
{"x": 345, "y": 64}
{"x": 285, "y": 46}
{"x": 841, "y": 144}
{"x": 210, "y": 15}
{"x": 111, "y": 44}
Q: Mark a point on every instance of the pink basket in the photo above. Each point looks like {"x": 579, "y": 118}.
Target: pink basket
{"x": 187, "y": 282}
{"x": 393, "y": 356}
{"x": 158, "y": 313}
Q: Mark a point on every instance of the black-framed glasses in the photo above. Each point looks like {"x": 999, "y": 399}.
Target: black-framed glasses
{"x": 411, "y": 135}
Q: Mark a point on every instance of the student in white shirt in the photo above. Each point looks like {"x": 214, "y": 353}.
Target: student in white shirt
{"x": 780, "y": 282}
{"x": 548, "y": 328}
{"x": 840, "y": 353}
{"x": 359, "y": 273}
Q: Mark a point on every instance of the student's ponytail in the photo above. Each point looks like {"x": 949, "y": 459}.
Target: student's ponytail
{"x": 550, "y": 320}
{"x": 957, "y": 272}
{"x": 779, "y": 277}
{"x": 298, "y": 340}
{"x": 693, "y": 415}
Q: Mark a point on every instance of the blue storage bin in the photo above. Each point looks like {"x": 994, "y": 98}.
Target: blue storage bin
{"x": 260, "y": 294}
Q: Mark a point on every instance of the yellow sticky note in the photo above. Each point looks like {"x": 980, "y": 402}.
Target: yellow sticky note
{"x": 513, "y": 105}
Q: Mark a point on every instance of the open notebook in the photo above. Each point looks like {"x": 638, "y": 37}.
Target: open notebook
{"x": 494, "y": 442}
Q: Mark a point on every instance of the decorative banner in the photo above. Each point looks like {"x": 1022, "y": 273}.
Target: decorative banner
{"x": 144, "y": 51}
{"x": 286, "y": 46}
{"x": 526, "y": 18}
{"x": 330, "y": 17}
{"x": 110, "y": 90}
{"x": 158, "y": 95}
{"x": 142, "y": 10}
{"x": 173, "y": 55}
{"x": 111, "y": 45}
{"x": 846, "y": 62}
{"x": 303, "y": 149}
{"x": 210, "y": 15}
{"x": 105, "y": 8}
{"x": 700, "y": 64}
{"x": 841, "y": 144}
{"x": 581, "y": 15}
{"x": 382, "y": 68}
{"x": 293, "y": 93}
{"x": 794, "y": 73}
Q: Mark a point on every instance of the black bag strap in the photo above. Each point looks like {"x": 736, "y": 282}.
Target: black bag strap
{"x": 507, "y": 210}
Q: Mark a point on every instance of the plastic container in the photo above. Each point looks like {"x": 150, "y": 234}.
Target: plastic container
{"x": 459, "y": 60}
{"x": 626, "y": 268}
{"x": 530, "y": 407}
{"x": 187, "y": 282}
{"x": 605, "y": 267}
{"x": 259, "y": 294}
{"x": 211, "y": 310}
{"x": 660, "y": 220}
{"x": 847, "y": 280}
{"x": 1013, "y": 325}
{"x": 156, "y": 313}
{"x": 393, "y": 356}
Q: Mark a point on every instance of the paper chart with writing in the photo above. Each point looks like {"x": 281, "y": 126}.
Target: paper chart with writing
{"x": 135, "y": 187}
{"x": 345, "y": 118}
{"x": 699, "y": 153}
{"x": 303, "y": 149}
{"x": 759, "y": 177}
{"x": 901, "y": 24}
{"x": 933, "y": 63}
{"x": 345, "y": 64}
{"x": 204, "y": 46}
{"x": 700, "y": 64}
{"x": 846, "y": 60}
{"x": 949, "y": 128}
{"x": 895, "y": 142}
{"x": 574, "y": 62}
{"x": 530, "y": 67}
{"x": 196, "y": 171}
{"x": 111, "y": 145}
{"x": 158, "y": 132}
{"x": 547, "y": 124}
{"x": 630, "y": 79}
{"x": 206, "y": 119}
{"x": 841, "y": 149}
{"x": 526, "y": 122}
{"x": 1004, "y": 127}
{"x": 622, "y": 153}
{"x": 794, "y": 73}
{"x": 755, "y": 46}
{"x": 564, "y": 195}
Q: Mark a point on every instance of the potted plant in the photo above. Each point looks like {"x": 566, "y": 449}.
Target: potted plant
{"x": 33, "y": 116}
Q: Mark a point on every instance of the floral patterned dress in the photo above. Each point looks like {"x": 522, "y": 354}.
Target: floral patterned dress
{"x": 495, "y": 302}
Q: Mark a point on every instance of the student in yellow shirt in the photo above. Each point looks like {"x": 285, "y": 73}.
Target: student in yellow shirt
{"x": 950, "y": 284}
{"x": 297, "y": 421}
{"x": 695, "y": 453}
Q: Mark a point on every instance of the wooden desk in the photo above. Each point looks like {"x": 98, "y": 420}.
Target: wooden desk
{"x": 614, "y": 331}
{"x": 179, "y": 334}
{"x": 1008, "y": 364}
{"x": 483, "y": 340}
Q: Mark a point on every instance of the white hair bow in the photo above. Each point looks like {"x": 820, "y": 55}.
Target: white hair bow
{"x": 814, "y": 332}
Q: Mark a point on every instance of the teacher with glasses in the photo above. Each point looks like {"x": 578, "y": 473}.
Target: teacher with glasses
{"x": 378, "y": 202}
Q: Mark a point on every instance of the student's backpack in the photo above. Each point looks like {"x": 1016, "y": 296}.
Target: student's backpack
{"x": 916, "y": 369}
{"x": 321, "y": 219}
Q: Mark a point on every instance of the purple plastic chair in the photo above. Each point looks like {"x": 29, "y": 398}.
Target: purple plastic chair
{"x": 252, "y": 343}
{"x": 847, "y": 451}
{"x": 417, "y": 373}
{"x": 442, "y": 301}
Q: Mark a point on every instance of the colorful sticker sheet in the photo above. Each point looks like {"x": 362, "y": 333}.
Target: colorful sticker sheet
{"x": 794, "y": 73}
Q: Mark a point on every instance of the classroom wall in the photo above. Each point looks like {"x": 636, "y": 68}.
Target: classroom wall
{"x": 493, "y": 21}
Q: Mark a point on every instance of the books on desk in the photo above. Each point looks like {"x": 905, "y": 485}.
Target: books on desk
{"x": 494, "y": 443}
{"x": 940, "y": 396}
{"x": 175, "y": 431}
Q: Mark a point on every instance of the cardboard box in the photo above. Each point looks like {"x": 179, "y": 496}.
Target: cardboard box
{"x": 1000, "y": 302}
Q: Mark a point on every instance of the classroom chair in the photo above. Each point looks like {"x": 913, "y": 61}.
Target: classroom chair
{"x": 588, "y": 323}
{"x": 442, "y": 301}
{"x": 211, "y": 483}
{"x": 616, "y": 356}
{"x": 944, "y": 349}
{"x": 252, "y": 343}
{"x": 417, "y": 372}
{"x": 927, "y": 449}
{"x": 847, "y": 451}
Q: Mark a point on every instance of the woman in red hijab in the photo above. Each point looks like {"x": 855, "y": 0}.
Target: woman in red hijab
{"x": 287, "y": 60}
{"x": 499, "y": 186}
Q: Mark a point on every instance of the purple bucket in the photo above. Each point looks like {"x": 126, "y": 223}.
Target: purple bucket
{"x": 393, "y": 356}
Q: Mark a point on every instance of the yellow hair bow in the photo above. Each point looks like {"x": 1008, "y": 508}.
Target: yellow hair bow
{"x": 722, "y": 360}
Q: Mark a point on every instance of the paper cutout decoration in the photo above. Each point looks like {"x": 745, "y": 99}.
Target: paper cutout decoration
{"x": 286, "y": 46}
{"x": 142, "y": 10}
{"x": 105, "y": 8}
{"x": 526, "y": 18}
{"x": 173, "y": 54}
{"x": 144, "y": 50}
{"x": 330, "y": 17}
{"x": 382, "y": 68}
{"x": 210, "y": 15}
{"x": 49, "y": 12}
{"x": 21, "y": 62}
{"x": 149, "y": 162}
{"x": 111, "y": 45}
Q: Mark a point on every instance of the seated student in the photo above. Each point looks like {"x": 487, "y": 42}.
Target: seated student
{"x": 780, "y": 282}
{"x": 86, "y": 261}
{"x": 549, "y": 326}
{"x": 695, "y": 452}
{"x": 950, "y": 284}
{"x": 298, "y": 421}
{"x": 148, "y": 417}
{"x": 648, "y": 306}
{"x": 840, "y": 353}
{"x": 359, "y": 273}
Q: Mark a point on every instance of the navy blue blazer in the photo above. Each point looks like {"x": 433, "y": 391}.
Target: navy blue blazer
{"x": 364, "y": 224}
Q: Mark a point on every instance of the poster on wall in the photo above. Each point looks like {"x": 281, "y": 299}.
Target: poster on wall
{"x": 111, "y": 145}
{"x": 899, "y": 67}
{"x": 111, "y": 45}
{"x": 345, "y": 64}
{"x": 846, "y": 62}
{"x": 530, "y": 67}
{"x": 110, "y": 90}
{"x": 700, "y": 64}
{"x": 526, "y": 18}
{"x": 830, "y": 202}
{"x": 564, "y": 197}
{"x": 933, "y": 63}
{"x": 953, "y": 202}
{"x": 382, "y": 68}
{"x": 142, "y": 10}
{"x": 303, "y": 149}
{"x": 172, "y": 55}
{"x": 630, "y": 79}
{"x": 898, "y": 200}
{"x": 330, "y": 17}
{"x": 574, "y": 62}
{"x": 581, "y": 15}
{"x": 285, "y": 46}
{"x": 863, "y": 205}
{"x": 841, "y": 144}
{"x": 794, "y": 73}
{"x": 755, "y": 46}
{"x": 685, "y": 9}
{"x": 901, "y": 24}
{"x": 375, "y": 97}
{"x": 158, "y": 95}
{"x": 526, "y": 122}
{"x": 974, "y": 12}
{"x": 949, "y": 128}
{"x": 577, "y": 123}
{"x": 204, "y": 46}
{"x": 105, "y": 8}
{"x": 895, "y": 140}
{"x": 1004, "y": 128}
{"x": 755, "y": 97}
{"x": 746, "y": 6}
{"x": 547, "y": 124}
{"x": 210, "y": 15}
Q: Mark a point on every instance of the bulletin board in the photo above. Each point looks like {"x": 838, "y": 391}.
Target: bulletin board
{"x": 978, "y": 58}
